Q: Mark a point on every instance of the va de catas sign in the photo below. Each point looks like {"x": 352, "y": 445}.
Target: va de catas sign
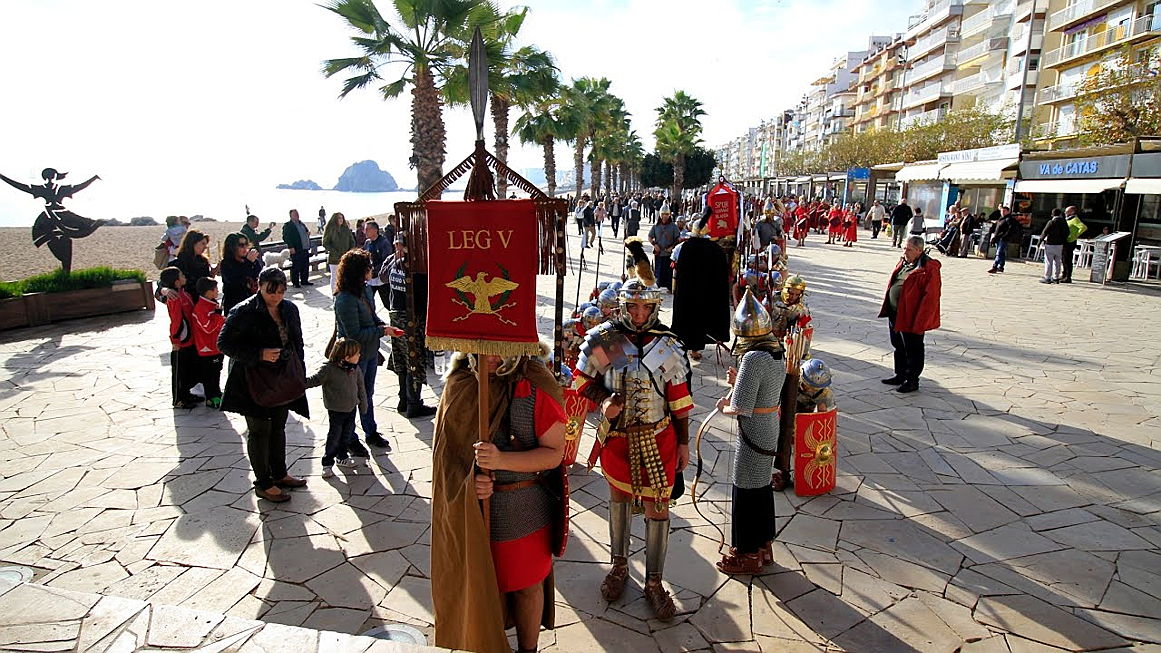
{"x": 482, "y": 277}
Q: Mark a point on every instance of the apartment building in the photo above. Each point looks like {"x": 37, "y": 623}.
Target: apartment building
{"x": 933, "y": 39}
{"x": 996, "y": 37}
{"x": 878, "y": 84}
{"x": 1081, "y": 37}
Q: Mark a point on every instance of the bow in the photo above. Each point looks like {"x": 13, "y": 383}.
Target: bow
{"x": 697, "y": 476}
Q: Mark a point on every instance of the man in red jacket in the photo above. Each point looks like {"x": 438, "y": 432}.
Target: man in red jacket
{"x": 912, "y": 307}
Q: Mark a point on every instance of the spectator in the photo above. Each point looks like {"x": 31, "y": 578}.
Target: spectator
{"x": 343, "y": 392}
{"x": 918, "y": 225}
{"x": 191, "y": 260}
{"x": 589, "y": 220}
{"x": 338, "y": 239}
{"x": 250, "y": 231}
{"x": 207, "y": 326}
{"x": 967, "y": 227}
{"x": 877, "y": 215}
{"x": 765, "y": 230}
{"x": 633, "y": 221}
{"x": 360, "y": 234}
{"x": 182, "y": 357}
{"x": 664, "y": 236}
{"x": 900, "y": 216}
{"x": 1007, "y": 230}
{"x": 911, "y": 306}
{"x": 393, "y": 276}
{"x": 297, "y": 239}
{"x": 615, "y": 214}
{"x": 379, "y": 248}
{"x": 355, "y": 319}
{"x": 265, "y": 330}
{"x": 175, "y": 230}
{"x": 1052, "y": 240}
{"x": 1076, "y": 229}
{"x": 240, "y": 267}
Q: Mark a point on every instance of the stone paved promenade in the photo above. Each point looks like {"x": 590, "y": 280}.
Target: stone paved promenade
{"x": 1012, "y": 505}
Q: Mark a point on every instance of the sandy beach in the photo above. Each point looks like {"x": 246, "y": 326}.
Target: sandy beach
{"x": 118, "y": 247}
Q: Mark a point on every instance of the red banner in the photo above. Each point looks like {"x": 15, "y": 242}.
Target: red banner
{"x": 815, "y": 452}
{"x": 482, "y": 277}
{"x": 723, "y": 199}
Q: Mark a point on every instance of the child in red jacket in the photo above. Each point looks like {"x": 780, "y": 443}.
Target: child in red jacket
{"x": 182, "y": 359}
{"x": 207, "y": 324}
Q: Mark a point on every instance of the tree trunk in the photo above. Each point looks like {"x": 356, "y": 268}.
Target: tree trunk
{"x": 428, "y": 136}
{"x": 623, "y": 177}
{"x": 608, "y": 179}
{"x": 678, "y": 174}
{"x": 500, "y": 121}
{"x": 578, "y": 159}
{"x": 596, "y": 173}
{"x": 550, "y": 165}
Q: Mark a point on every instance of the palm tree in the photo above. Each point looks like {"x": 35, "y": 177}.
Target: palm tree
{"x": 586, "y": 103}
{"x": 427, "y": 38}
{"x": 543, "y": 125}
{"x": 520, "y": 77}
{"x": 678, "y": 132}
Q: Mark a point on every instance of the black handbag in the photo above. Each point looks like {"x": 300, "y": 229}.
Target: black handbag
{"x": 278, "y": 383}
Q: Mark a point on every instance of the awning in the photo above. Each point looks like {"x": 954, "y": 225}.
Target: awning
{"x": 1067, "y": 185}
{"x": 802, "y": 180}
{"x": 987, "y": 170}
{"x": 1143, "y": 186}
{"x": 919, "y": 171}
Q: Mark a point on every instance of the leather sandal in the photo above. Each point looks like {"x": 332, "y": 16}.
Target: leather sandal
{"x": 767, "y": 552}
{"x": 780, "y": 480}
{"x": 269, "y": 496}
{"x": 660, "y": 600}
{"x": 740, "y": 563}
{"x": 613, "y": 586}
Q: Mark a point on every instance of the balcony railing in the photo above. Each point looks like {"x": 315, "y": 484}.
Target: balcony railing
{"x": 1057, "y": 129}
{"x": 938, "y": 38}
{"x": 1076, "y": 11}
{"x": 925, "y": 118}
{"x": 1025, "y": 7}
{"x": 1058, "y": 92}
{"x": 1102, "y": 40}
{"x": 978, "y": 50}
{"x": 984, "y": 18}
{"x": 979, "y": 80}
{"x": 933, "y": 67}
{"x": 925, "y": 94}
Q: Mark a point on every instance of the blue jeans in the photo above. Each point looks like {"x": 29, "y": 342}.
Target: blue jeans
{"x": 369, "y": 365}
{"x": 1001, "y": 255}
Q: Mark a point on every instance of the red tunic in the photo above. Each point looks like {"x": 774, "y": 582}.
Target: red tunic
{"x": 836, "y": 220}
{"x": 527, "y": 561}
{"x": 615, "y": 454}
{"x": 851, "y": 233}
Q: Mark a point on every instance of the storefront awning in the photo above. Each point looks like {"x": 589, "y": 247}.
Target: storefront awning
{"x": 1143, "y": 186}
{"x": 802, "y": 180}
{"x": 977, "y": 170}
{"x": 919, "y": 172}
{"x": 1066, "y": 185}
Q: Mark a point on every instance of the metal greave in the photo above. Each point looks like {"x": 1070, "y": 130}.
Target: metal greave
{"x": 620, "y": 524}
{"x": 656, "y": 546}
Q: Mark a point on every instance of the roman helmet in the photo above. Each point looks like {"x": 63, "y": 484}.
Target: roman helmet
{"x": 571, "y": 333}
{"x": 794, "y": 284}
{"x": 580, "y": 310}
{"x": 607, "y": 301}
{"x": 616, "y": 285}
{"x": 776, "y": 281}
{"x": 635, "y": 291}
{"x": 815, "y": 373}
{"x": 751, "y": 319}
{"x": 591, "y": 318}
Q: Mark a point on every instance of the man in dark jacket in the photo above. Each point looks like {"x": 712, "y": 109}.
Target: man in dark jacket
{"x": 297, "y": 239}
{"x": 911, "y": 307}
{"x": 1008, "y": 230}
{"x": 1052, "y": 241}
{"x": 900, "y": 216}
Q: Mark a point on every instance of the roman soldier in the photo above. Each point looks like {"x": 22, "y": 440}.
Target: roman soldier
{"x": 754, "y": 400}
{"x": 791, "y": 309}
{"x": 636, "y": 370}
{"x": 814, "y": 393}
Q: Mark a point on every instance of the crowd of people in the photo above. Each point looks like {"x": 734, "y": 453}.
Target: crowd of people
{"x": 238, "y": 309}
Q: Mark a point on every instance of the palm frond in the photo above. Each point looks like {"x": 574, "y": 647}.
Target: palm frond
{"x": 394, "y": 89}
{"x": 357, "y": 82}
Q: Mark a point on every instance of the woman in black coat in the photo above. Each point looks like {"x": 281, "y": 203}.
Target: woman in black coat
{"x": 240, "y": 267}
{"x": 191, "y": 260}
{"x": 261, "y": 330}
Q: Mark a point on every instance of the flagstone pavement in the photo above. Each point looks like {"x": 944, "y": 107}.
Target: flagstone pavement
{"x": 1012, "y": 505}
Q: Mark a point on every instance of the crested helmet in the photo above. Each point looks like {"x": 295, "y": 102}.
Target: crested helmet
{"x": 636, "y": 291}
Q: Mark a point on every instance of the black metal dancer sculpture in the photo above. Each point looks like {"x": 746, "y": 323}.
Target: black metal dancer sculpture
{"x": 56, "y": 225}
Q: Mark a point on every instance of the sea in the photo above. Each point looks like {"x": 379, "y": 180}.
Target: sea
{"x": 102, "y": 200}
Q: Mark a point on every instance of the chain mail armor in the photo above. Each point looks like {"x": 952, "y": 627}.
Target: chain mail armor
{"x": 758, "y": 389}
{"x": 521, "y": 512}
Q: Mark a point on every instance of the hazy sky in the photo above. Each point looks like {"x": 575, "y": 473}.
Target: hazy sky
{"x": 162, "y": 92}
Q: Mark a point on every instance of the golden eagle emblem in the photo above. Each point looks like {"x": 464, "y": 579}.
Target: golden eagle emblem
{"x": 820, "y": 454}
{"x": 482, "y": 289}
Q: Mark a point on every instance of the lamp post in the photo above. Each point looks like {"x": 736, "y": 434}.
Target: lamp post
{"x": 901, "y": 58}
{"x": 1020, "y": 132}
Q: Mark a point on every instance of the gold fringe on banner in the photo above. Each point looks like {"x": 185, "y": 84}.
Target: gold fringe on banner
{"x": 485, "y": 347}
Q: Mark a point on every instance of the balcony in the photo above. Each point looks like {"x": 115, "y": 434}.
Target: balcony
{"x": 936, "y": 39}
{"x": 1057, "y": 129}
{"x": 1025, "y": 8}
{"x": 1076, "y": 12}
{"x": 925, "y": 118}
{"x": 1019, "y": 39}
{"x": 1012, "y": 81}
{"x": 1143, "y": 26}
{"x": 969, "y": 56}
{"x": 984, "y": 19}
{"x": 979, "y": 80}
{"x": 1058, "y": 92}
{"x": 934, "y": 67}
{"x": 937, "y": 14}
{"x": 926, "y": 94}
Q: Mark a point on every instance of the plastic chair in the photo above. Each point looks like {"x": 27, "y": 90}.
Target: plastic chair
{"x": 1082, "y": 255}
{"x": 1035, "y": 252}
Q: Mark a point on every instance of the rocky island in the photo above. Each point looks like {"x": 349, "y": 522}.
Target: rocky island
{"x": 361, "y": 177}
{"x": 301, "y": 184}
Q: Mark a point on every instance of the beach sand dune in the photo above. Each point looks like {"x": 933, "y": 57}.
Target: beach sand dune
{"x": 118, "y": 247}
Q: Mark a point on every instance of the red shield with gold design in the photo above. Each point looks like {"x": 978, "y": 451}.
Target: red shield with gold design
{"x": 815, "y": 452}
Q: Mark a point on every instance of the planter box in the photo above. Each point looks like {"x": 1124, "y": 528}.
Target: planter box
{"x": 35, "y": 309}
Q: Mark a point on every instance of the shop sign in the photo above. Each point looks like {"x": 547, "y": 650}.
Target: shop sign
{"x": 1096, "y": 167}
{"x": 859, "y": 174}
{"x": 995, "y": 153}
{"x": 1147, "y": 165}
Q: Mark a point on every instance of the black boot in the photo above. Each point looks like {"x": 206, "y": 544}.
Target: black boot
{"x": 402, "y": 406}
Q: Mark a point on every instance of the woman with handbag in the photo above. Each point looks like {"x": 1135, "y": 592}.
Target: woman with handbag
{"x": 263, "y": 336}
{"x": 355, "y": 319}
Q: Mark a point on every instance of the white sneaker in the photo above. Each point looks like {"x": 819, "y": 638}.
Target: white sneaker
{"x": 328, "y": 472}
